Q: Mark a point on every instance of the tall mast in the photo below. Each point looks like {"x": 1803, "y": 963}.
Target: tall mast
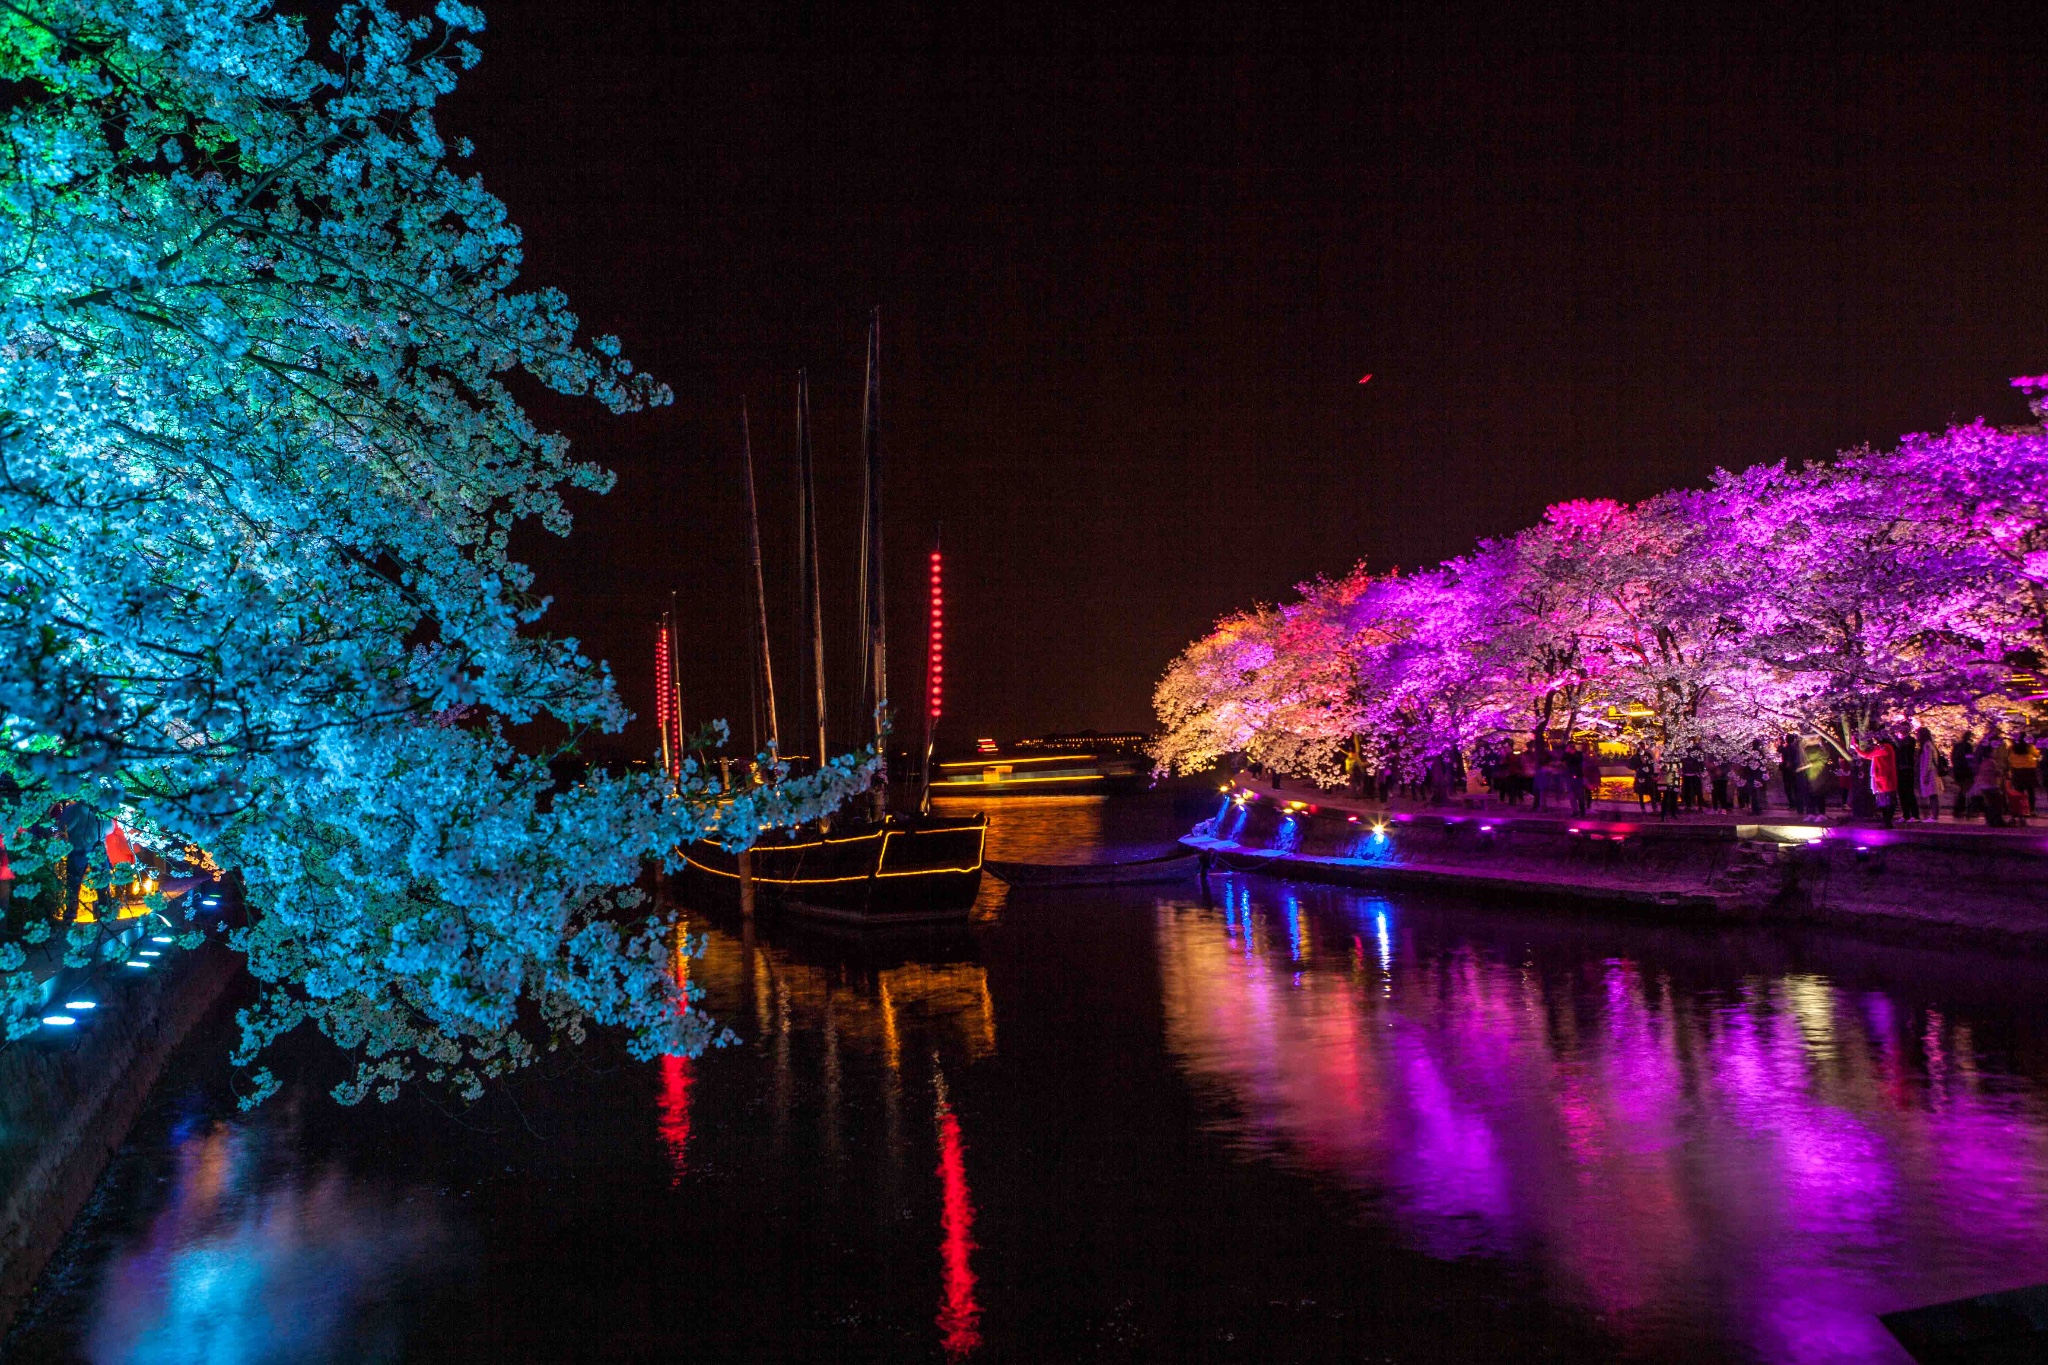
{"x": 808, "y": 547}
{"x": 675, "y": 681}
{"x": 934, "y": 673}
{"x": 663, "y": 662}
{"x": 668, "y": 693}
{"x": 874, "y": 618}
{"x": 765, "y": 660}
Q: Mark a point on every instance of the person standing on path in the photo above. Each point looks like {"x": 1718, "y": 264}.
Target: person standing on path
{"x": 1816, "y": 760}
{"x": 1646, "y": 780}
{"x": 1927, "y": 774}
{"x": 1791, "y": 764}
{"x": 80, "y": 824}
{"x": 1575, "y": 763}
{"x": 1992, "y": 768}
{"x": 2025, "y": 758}
{"x": 1906, "y": 756}
{"x": 1759, "y": 782}
{"x": 1884, "y": 773}
{"x": 1962, "y": 762}
{"x": 1692, "y": 771}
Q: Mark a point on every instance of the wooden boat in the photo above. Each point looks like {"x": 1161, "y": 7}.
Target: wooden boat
{"x": 883, "y": 867}
{"x": 905, "y": 869}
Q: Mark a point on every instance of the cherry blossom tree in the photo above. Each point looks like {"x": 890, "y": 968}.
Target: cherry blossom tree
{"x": 1825, "y": 600}
{"x": 259, "y": 465}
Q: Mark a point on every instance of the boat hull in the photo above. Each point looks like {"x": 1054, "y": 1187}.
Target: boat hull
{"x": 901, "y": 871}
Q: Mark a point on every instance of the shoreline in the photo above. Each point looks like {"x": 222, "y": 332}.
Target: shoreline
{"x": 1949, "y": 883}
{"x": 94, "y": 1086}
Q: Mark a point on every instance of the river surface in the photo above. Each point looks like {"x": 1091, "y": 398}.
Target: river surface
{"x": 1258, "y": 1122}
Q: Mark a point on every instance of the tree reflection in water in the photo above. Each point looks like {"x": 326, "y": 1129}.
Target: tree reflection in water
{"x": 1791, "y": 1157}
{"x": 246, "y": 1264}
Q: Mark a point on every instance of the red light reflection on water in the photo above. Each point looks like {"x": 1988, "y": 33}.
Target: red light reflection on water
{"x": 672, "y": 1112}
{"x": 672, "y": 1107}
{"x": 959, "y": 1317}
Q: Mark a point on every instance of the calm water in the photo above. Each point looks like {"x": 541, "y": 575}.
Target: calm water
{"x": 1263, "y": 1123}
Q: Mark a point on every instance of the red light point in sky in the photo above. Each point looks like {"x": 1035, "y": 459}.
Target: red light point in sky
{"x": 1364, "y": 380}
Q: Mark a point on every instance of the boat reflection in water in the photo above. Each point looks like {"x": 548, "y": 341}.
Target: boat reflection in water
{"x": 245, "y": 1265}
{"x": 1786, "y": 1159}
{"x": 861, "y": 1004}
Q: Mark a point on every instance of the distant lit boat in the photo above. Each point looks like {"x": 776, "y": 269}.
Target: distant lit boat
{"x": 905, "y": 870}
{"x": 1059, "y": 774}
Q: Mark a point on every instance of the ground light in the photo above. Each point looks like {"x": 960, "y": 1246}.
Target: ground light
{"x": 162, "y": 938}
{"x": 133, "y": 963}
{"x": 81, "y": 1005}
{"x": 58, "y": 1020}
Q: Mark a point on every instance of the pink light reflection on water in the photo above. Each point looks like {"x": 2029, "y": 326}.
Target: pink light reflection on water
{"x": 1770, "y": 1163}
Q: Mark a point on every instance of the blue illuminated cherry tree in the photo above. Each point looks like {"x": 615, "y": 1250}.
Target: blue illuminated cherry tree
{"x": 258, "y": 468}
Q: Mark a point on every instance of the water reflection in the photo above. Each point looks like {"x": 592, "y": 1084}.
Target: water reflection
{"x": 1037, "y": 829}
{"x": 246, "y": 1265}
{"x": 672, "y": 1114}
{"x": 840, "y": 1023}
{"x": 959, "y": 1316}
{"x": 1427, "y": 1130}
{"x": 1786, "y": 1159}
{"x": 843, "y": 1000}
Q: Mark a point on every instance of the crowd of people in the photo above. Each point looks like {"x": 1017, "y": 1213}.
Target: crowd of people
{"x": 1900, "y": 773}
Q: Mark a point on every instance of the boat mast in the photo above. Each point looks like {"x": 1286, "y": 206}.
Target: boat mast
{"x": 668, "y": 693}
{"x": 662, "y": 664}
{"x": 807, "y": 547}
{"x": 764, "y": 661}
{"x": 934, "y": 672}
{"x": 874, "y": 618}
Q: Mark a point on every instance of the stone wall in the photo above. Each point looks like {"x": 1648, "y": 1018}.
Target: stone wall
{"x": 66, "y": 1104}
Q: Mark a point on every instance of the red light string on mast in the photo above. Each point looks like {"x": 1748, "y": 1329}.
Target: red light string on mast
{"x": 665, "y": 704}
{"x": 935, "y": 667}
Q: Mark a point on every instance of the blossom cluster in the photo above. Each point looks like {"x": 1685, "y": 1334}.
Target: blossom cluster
{"x": 259, "y": 466}
{"x": 1820, "y": 600}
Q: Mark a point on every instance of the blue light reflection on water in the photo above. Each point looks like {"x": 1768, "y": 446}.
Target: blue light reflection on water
{"x": 252, "y": 1263}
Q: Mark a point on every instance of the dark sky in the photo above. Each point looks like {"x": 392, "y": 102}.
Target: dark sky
{"x": 1132, "y": 263}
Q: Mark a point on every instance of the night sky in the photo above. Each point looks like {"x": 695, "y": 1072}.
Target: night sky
{"x": 1132, "y": 264}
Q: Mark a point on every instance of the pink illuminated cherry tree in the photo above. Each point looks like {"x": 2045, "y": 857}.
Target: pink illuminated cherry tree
{"x": 1824, "y": 600}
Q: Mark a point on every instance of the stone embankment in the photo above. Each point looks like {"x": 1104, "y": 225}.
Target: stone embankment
{"x": 68, "y": 1098}
{"x": 1942, "y": 881}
